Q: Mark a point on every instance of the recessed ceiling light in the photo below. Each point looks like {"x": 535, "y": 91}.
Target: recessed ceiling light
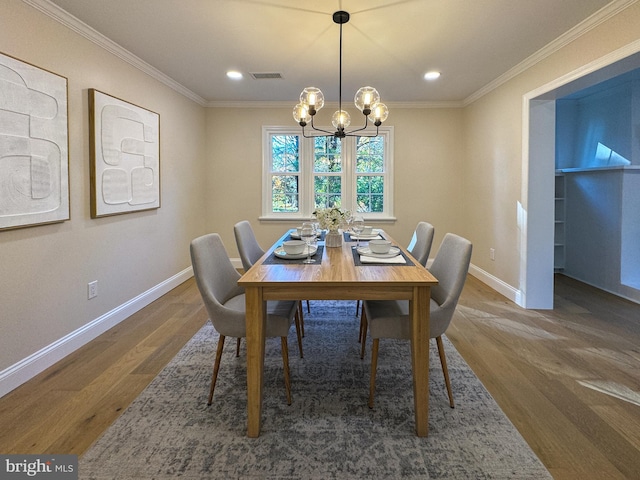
{"x": 234, "y": 75}
{"x": 431, "y": 75}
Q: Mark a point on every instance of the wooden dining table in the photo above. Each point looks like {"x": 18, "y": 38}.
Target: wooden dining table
{"x": 335, "y": 276}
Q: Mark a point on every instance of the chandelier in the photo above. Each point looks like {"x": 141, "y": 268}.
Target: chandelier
{"x": 367, "y": 100}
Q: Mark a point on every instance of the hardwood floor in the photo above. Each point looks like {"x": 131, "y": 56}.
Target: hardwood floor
{"x": 568, "y": 378}
{"x": 68, "y": 406}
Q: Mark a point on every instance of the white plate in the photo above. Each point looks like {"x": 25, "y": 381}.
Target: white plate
{"x": 280, "y": 253}
{"x": 363, "y": 236}
{"x": 295, "y": 235}
{"x": 393, "y": 251}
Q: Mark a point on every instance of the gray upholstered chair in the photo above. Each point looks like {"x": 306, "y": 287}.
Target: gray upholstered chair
{"x": 250, "y": 252}
{"x": 248, "y": 247}
{"x": 420, "y": 244}
{"x": 390, "y": 318}
{"x": 217, "y": 280}
{"x": 419, "y": 247}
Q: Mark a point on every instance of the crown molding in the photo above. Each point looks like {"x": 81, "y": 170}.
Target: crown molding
{"x": 547, "y": 91}
{"x": 73, "y": 23}
{"x": 601, "y": 16}
{"x": 330, "y": 105}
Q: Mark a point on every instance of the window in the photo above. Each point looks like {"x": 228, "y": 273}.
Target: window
{"x": 302, "y": 174}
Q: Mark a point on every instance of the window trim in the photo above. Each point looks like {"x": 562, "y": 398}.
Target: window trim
{"x": 306, "y": 177}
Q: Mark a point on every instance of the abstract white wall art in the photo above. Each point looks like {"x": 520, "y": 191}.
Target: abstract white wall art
{"x": 34, "y": 145}
{"x": 125, "y": 156}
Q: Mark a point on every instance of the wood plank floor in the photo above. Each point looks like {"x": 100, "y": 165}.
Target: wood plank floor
{"x": 568, "y": 378}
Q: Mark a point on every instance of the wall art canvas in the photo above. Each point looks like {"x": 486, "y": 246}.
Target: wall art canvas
{"x": 34, "y": 145}
{"x": 125, "y": 156}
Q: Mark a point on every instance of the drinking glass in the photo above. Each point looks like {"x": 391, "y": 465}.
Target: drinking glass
{"x": 357, "y": 225}
{"x": 316, "y": 225}
{"x": 308, "y": 234}
{"x": 349, "y": 221}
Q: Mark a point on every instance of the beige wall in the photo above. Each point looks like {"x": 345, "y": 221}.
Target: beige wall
{"x": 428, "y": 166}
{"x": 460, "y": 169}
{"x": 493, "y": 145}
{"x": 45, "y": 269}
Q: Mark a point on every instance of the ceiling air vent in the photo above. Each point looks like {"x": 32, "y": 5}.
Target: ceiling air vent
{"x": 266, "y": 76}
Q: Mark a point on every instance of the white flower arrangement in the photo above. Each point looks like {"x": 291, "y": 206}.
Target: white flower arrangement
{"x": 331, "y": 218}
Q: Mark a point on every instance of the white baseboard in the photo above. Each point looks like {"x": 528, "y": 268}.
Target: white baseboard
{"x": 498, "y": 285}
{"x": 29, "y": 367}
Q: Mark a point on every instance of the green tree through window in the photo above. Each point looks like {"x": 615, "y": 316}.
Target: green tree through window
{"x": 327, "y": 168}
{"x": 285, "y": 151}
{"x": 303, "y": 174}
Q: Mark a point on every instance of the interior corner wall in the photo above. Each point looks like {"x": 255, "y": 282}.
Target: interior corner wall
{"x": 635, "y": 123}
{"x": 599, "y": 121}
{"x": 45, "y": 269}
{"x": 593, "y": 226}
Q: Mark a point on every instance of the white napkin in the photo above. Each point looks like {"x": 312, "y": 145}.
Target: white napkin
{"x": 366, "y": 237}
{"x": 368, "y": 259}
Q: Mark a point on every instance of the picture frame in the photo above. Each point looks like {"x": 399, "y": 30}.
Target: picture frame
{"x": 124, "y": 144}
{"x": 34, "y": 145}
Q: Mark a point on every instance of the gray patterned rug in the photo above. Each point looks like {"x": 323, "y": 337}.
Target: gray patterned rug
{"x": 327, "y": 433}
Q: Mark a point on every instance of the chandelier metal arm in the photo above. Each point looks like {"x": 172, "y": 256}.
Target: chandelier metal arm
{"x": 367, "y": 100}
{"x": 340, "y": 133}
{"x": 324, "y": 132}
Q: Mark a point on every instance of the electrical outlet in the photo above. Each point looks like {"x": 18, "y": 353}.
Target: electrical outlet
{"x": 492, "y": 253}
{"x": 92, "y": 289}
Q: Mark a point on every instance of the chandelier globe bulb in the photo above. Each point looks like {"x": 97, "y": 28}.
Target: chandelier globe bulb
{"x": 301, "y": 114}
{"x": 379, "y": 113}
{"x": 365, "y": 98}
{"x": 341, "y": 119}
{"x": 312, "y": 97}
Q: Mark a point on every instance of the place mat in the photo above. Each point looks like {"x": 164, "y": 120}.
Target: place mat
{"x": 356, "y": 260}
{"x": 273, "y": 260}
{"x": 349, "y": 238}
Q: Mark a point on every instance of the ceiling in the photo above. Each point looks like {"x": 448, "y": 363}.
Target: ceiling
{"x": 388, "y": 44}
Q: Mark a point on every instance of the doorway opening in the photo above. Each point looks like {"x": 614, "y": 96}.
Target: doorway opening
{"x": 537, "y": 216}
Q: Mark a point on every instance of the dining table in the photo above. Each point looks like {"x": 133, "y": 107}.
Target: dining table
{"x": 337, "y": 274}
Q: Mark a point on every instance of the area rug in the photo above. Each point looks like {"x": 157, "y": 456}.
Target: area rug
{"x": 327, "y": 433}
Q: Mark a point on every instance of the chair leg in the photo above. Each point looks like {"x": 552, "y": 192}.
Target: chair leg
{"x": 374, "y": 368}
{"x": 363, "y": 333}
{"x": 308, "y": 307}
{"x": 299, "y": 333}
{"x": 357, "y": 307}
{"x": 285, "y": 363}
{"x": 238, "y": 347}
{"x": 300, "y": 310}
{"x": 216, "y": 367}
{"x": 445, "y": 370}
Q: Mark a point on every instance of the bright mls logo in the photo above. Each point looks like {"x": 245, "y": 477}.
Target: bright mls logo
{"x": 50, "y": 467}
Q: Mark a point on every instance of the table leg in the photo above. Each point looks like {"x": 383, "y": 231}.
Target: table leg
{"x": 419, "y": 311}
{"x": 256, "y": 313}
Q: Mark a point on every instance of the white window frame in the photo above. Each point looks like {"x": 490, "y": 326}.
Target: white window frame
{"x": 306, "y": 198}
